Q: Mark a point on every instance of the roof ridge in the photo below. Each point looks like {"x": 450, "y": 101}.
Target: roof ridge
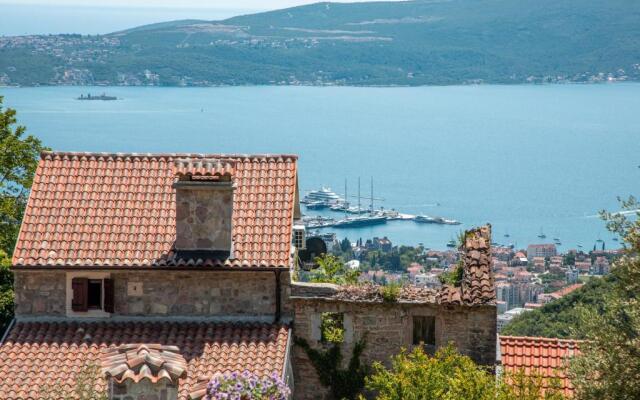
{"x": 46, "y": 153}
{"x": 538, "y": 339}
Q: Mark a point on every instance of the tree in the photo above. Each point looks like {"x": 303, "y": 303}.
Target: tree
{"x": 6, "y": 291}
{"x": 451, "y": 376}
{"x": 345, "y": 245}
{"x": 18, "y": 161}
{"x": 609, "y": 365}
{"x": 19, "y": 156}
{"x": 331, "y": 269}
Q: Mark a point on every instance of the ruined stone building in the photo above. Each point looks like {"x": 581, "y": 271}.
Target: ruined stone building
{"x": 162, "y": 270}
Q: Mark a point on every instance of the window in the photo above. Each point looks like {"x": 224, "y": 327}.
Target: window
{"x": 424, "y": 330}
{"x": 92, "y": 294}
{"x": 94, "y": 297}
{"x": 332, "y": 327}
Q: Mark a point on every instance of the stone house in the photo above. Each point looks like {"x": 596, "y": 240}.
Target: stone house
{"x": 431, "y": 318}
{"x": 162, "y": 270}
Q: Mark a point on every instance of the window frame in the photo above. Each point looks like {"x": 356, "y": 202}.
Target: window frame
{"x": 427, "y": 327}
{"x": 79, "y": 310}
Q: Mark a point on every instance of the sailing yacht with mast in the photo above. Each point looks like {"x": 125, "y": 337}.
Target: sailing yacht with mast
{"x": 361, "y": 220}
{"x": 542, "y": 235}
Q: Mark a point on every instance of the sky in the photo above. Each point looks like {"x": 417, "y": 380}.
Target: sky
{"x": 34, "y": 17}
{"x": 232, "y": 4}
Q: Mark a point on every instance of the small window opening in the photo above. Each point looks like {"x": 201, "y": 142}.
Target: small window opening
{"x": 424, "y": 330}
{"x": 332, "y": 327}
{"x": 94, "y": 298}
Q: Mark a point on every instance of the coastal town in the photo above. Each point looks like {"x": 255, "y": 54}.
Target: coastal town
{"x": 169, "y": 231}
{"x": 106, "y": 60}
{"x": 525, "y": 279}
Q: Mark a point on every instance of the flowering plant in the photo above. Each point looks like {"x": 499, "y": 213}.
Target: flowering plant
{"x": 247, "y": 386}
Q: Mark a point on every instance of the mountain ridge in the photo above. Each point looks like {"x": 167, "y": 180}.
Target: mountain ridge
{"x": 417, "y": 42}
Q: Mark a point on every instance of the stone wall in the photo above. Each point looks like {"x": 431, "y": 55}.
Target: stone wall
{"x": 40, "y": 293}
{"x": 203, "y": 215}
{"x": 163, "y": 293}
{"x": 144, "y": 390}
{"x": 388, "y": 327}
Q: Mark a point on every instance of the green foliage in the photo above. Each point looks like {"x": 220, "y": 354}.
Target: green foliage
{"x": 89, "y": 386}
{"x": 453, "y": 278}
{"x": 19, "y": 157}
{"x": 331, "y": 327}
{"x": 397, "y": 259}
{"x": 416, "y": 376}
{"x": 609, "y": 364}
{"x": 392, "y": 43}
{"x": 522, "y": 386}
{"x": 450, "y": 376}
{"x": 344, "y": 383}
{"x": 6, "y": 292}
{"x": 559, "y": 318}
{"x": 331, "y": 269}
{"x": 390, "y": 292}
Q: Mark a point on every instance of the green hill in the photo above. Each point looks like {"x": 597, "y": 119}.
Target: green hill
{"x": 380, "y": 43}
{"x": 559, "y": 319}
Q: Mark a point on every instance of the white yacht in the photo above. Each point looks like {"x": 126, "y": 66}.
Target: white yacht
{"x": 324, "y": 195}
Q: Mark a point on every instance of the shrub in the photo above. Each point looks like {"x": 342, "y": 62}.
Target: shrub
{"x": 331, "y": 269}
{"x": 451, "y": 376}
{"x": 331, "y": 327}
{"x": 247, "y": 386}
{"x": 390, "y": 292}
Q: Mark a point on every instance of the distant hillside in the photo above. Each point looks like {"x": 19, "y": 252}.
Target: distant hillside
{"x": 560, "y": 318}
{"x": 383, "y": 43}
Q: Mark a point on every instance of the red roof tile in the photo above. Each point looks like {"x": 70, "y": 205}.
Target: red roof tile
{"x": 91, "y": 209}
{"x": 136, "y": 362}
{"x": 37, "y": 355}
{"x": 565, "y": 291}
{"x": 203, "y": 167}
{"x": 477, "y": 286}
{"x": 547, "y": 356}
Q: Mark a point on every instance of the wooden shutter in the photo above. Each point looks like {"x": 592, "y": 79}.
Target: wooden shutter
{"x": 108, "y": 296}
{"x": 80, "y": 288}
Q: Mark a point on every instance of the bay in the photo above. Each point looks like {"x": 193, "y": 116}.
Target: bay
{"x": 523, "y": 158}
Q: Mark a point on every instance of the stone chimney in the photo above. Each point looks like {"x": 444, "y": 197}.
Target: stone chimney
{"x": 204, "y": 207}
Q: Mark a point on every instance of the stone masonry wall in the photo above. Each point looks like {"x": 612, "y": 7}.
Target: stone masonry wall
{"x": 388, "y": 328}
{"x": 203, "y": 216}
{"x": 163, "y": 293}
{"x": 40, "y": 293}
{"x": 144, "y": 390}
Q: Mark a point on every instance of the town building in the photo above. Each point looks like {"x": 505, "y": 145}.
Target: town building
{"x": 544, "y": 298}
{"x": 165, "y": 269}
{"x": 600, "y": 266}
{"x": 541, "y": 250}
{"x": 504, "y": 319}
{"x": 428, "y": 280}
{"x": 572, "y": 275}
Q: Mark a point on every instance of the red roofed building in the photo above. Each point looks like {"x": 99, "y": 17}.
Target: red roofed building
{"x": 165, "y": 269}
{"x": 152, "y": 250}
{"x": 547, "y": 297}
{"x": 539, "y": 356}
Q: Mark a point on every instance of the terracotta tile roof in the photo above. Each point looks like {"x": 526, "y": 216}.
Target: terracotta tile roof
{"x": 37, "y": 355}
{"x": 543, "y": 356}
{"x": 477, "y": 286}
{"x": 204, "y": 167}
{"x": 565, "y": 291}
{"x": 136, "y": 362}
{"x": 94, "y": 209}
